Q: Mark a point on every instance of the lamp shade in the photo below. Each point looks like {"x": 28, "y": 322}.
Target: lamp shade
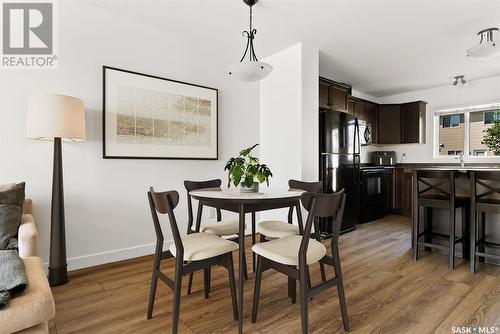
{"x": 250, "y": 70}
{"x": 55, "y": 116}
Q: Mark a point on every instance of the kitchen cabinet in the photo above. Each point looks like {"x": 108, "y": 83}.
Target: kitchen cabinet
{"x": 324, "y": 95}
{"x": 359, "y": 110}
{"x": 412, "y": 122}
{"x": 389, "y": 124}
{"x": 350, "y": 106}
{"x": 333, "y": 95}
{"x": 389, "y": 189}
{"x": 371, "y": 117}
{"x": 403, "y": 194}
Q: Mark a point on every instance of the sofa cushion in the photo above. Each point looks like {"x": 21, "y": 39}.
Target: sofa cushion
{"x": 35, "y": 306}
{"x": 11, "y": 209}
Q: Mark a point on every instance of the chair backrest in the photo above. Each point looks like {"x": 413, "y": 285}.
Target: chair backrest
{"x": 436, "y": 182}
{"x": 313, "y": 187}
{"x": 320, "y": 206}
{"x": 484, "y": 185}
{"x": 165, "y": 203}
{"x": 196, "y": 185}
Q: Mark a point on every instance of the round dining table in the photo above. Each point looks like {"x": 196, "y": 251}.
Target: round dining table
{"x": 242, "y": 203}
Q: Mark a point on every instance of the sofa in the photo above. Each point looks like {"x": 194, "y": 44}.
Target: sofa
{"x": 30, "y": 312}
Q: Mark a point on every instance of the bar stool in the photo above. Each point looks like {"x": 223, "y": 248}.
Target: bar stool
{"x": 485, "y": 198}
{"x": 436, "y": 189}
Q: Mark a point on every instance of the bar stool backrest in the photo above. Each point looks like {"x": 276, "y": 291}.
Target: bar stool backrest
{"x": 165, "y": 203}
{"x": 485, "y": 186}
{"x": 197, "y": 185}
{"x": 436, "y": 184}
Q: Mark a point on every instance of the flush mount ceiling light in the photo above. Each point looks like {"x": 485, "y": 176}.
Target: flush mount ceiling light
{"x": 487, "y": 46}
{"x": 251, "y": 69}
{"x": 459, "y": 79}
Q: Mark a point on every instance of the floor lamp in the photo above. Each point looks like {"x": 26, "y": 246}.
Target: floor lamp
{"x": 56, "y": 117}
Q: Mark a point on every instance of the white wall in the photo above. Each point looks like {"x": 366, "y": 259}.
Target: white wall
{"x": 476, "y": 92}
{"x": 107, "y": 215}
{"x": 289, "y": 117}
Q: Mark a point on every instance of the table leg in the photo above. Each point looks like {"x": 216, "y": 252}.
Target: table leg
{"x": 242, "y": 264}
{"x": 299, "y": 217}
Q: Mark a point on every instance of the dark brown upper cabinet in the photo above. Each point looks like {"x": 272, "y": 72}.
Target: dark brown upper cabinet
{"x": 371, "y": 117}
{"x": 359, "y": 110}
{"x": 413, "y": 122}
{"x": 389, "y": 124}
{"x": 350, "y": 106}
{"x": 333, "y": 95}
{"x": 324, "y": 95}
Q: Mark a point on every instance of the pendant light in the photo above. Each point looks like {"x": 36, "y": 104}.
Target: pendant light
{"x": 250, "y": 69}
{"x": 487, "y": 46}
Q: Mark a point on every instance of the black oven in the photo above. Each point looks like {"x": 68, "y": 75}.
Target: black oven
{"x": 373, "y": 193}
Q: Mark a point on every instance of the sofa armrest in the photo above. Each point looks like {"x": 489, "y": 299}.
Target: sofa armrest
{"x": 28, "y": 206}
{"x": 27, "y": 237}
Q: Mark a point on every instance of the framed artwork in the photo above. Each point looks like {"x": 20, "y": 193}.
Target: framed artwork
{"x": 148, "y": 117}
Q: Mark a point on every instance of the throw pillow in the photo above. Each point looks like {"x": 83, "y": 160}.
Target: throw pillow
{"x": 11, "y": 211}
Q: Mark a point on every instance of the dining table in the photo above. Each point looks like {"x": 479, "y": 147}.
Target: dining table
{"x": 243, "y": 203}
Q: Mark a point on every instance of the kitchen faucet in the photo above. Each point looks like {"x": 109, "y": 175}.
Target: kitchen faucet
{"x": 460, "y": 158}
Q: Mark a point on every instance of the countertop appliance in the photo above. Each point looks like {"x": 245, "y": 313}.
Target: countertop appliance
{"x": 384, "y": 158}
{"x": 340, "y": 158}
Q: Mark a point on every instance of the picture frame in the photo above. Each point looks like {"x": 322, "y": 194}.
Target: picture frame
{"x": 150, "y": 117}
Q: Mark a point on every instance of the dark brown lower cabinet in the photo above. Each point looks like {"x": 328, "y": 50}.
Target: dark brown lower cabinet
{"x": 403, "y": 191}
{"x": 389, "y": 190}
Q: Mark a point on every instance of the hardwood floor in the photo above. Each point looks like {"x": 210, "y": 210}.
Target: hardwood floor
{"x": 386, "y": 293}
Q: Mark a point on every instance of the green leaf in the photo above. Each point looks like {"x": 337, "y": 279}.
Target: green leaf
{"x": 246, "y": 151}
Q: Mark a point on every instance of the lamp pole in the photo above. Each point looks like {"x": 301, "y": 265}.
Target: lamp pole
{"x": 58, "y": 274}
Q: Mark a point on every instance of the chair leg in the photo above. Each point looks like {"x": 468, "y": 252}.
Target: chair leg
{"x": 256, "y": 291}
{"x": 152, "y": 293}
{"x": 253, "y": 241}
{"x": 451, "y": 258}
{"x": 206, "y": 281}
{"x": 340, "y": 289}
{"x": 472, "y": 237}
{"x": 465, "y": 232}
{"x": 322, "y": 269}
{"x": 232, "y": 284}
{"x": 154, "y": 281}
{"x": 190, "y": 283}
{"x": 415, "y": 233}
{"x": 177, "y": 296}
{"x": 308, "y": 280}
{"x": 245, "y": 270}
{"x": 428, "y": 227}
{"x": 293, "y": 291}
{"x": 483, "y": 235}
{"x": 304, "y": 317}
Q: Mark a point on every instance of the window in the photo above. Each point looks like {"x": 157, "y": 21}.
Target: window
{"x": 451, "y": 121}
{"x": 462, "y": 130}
{"x": 479, "y": 153}
{"x": 491, "y": 116}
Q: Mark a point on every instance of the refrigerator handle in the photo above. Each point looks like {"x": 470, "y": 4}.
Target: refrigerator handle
{"x": 356, "y": 158}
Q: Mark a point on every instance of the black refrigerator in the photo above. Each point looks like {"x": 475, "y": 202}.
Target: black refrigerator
{"x": 339, "y": 158}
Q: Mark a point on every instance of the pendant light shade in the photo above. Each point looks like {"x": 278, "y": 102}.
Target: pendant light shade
{"x": 250, "y": 69}
{"x": 487, "y": 47}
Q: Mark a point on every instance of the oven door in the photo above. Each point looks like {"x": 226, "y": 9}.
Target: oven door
{"x": 373, "y": 186}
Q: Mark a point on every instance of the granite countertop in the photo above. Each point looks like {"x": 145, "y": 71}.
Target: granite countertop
{"x": 449, "y": 167}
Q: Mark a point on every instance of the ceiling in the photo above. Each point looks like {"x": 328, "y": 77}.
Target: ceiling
{"x": 379, "y": 47}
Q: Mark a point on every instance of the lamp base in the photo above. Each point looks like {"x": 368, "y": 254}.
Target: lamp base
{"x": 58, "y": 276}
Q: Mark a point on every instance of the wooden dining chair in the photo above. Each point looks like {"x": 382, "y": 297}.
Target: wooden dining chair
{"x": 292, "y": 255}
{"x": 196, "y": 251}
{"x": 275, "y": 229}
{"x": 221, "y": 228}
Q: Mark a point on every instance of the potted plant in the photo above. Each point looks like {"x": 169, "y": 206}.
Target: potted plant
{"x": 246, "y": 171}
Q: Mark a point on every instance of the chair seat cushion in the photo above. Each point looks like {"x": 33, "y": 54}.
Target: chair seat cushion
{"x": 35, "y": 306}
{"x": 286, "y": 250}
{"x": 201, "y": 246}
{"x": 222, "y": 228}
{"x": 277, "y": 229}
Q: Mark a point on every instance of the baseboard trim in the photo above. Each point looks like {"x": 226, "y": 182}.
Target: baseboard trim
{"x": 115, "y": 255}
